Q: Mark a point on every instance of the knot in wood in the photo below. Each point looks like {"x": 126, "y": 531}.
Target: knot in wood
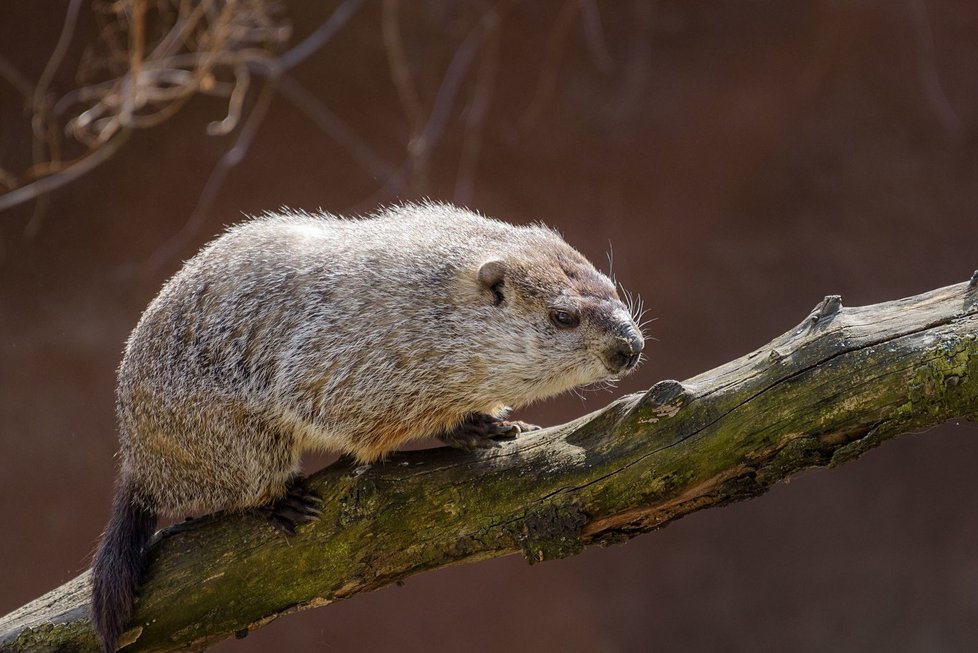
{"x": 664, "y": 399}
{"x": 823, "y": 312}
{"x": 971, "y": 293}
{"x": 831, "y": 305}
{"x": 360, "y": 502}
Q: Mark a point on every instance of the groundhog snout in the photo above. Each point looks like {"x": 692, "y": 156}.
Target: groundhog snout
{"x": 625, "y": 353}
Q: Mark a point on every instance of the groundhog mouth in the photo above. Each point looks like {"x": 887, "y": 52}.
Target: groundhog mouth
{"x": 627, "y": 366}
{"x": 624, "y": 357}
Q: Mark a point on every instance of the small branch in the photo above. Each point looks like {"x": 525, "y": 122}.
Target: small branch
{"x": 477, "y": 109}
{"x": 229, "y": 160}
{"x": 41, "y": 105}
{"x": 423, "y": 144}
{"x": 16, "y": 78}
{"x": 928, "y": 73}
{"x": 841, "y": 382}
{"x": 135, "y": 79}
{"x": 400, "y": 71}
{"x": 66, "y": 175}
{"x": 331, "y": 125}
{"x": 596, "y": 43}
{"x": 556, "y": 41}
{"x": 340, "y": 16}
{"x": 274, "y": 71}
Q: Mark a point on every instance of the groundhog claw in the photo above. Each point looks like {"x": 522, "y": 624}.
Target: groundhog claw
{"x": 297, "y": 506}
{"x": 524, "y": 427}
{"x": 482, "y": 431}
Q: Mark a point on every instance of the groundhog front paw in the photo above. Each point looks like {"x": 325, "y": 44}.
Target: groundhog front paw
{"x": 482, "y": 431}
{"x": 297, "y": 506}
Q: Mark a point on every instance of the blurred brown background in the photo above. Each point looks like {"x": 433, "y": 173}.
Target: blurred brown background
{"x": 743, "y": 158}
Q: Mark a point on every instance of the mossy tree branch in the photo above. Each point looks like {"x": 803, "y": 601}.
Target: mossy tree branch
{"x": 840, "y": 383}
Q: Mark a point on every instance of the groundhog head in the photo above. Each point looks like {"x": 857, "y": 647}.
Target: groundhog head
{"x": 552, "y": 311}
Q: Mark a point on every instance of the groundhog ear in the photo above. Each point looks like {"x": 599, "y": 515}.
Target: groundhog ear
{"x": 491, "y": 273}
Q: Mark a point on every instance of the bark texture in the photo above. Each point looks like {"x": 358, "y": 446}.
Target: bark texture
{"x": 838, "y": 384}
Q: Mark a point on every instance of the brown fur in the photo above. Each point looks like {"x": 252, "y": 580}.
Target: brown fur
{"x": 295, "y": 332}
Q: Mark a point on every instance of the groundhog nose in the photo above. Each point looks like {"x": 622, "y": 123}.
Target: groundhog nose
{"x": 628, "y": 349}
{"x": 636, "y": 343}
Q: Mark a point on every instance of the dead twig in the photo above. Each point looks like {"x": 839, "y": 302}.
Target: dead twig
{"x": 136, "y": 76}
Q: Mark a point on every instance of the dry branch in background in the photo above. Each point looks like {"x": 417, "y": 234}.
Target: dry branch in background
{"x": 153, "y": 56}
{"x": 838, "y": 384}
{"x": 149, "y": 59}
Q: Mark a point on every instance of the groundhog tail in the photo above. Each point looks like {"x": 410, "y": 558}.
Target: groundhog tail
{"x": 118, "y": 565}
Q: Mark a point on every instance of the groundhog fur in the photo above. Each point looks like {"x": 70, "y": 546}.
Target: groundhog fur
{"x": 294, "y": 332}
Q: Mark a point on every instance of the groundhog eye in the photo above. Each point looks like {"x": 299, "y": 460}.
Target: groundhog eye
{"x": 564, "y": 319}
{"x": 497, "y": 291}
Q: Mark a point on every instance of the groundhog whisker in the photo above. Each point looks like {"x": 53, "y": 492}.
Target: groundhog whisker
{"x": 645, "y": 323}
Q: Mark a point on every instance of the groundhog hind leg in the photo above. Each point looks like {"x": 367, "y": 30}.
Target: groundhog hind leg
{"x": 298, "y": 505}
{"x": 483, "y": 431}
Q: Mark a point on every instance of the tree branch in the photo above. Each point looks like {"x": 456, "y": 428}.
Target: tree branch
{"x": 840, "y": 383}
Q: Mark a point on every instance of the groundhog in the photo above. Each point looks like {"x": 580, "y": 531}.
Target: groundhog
{"x": 295, "y": 332}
